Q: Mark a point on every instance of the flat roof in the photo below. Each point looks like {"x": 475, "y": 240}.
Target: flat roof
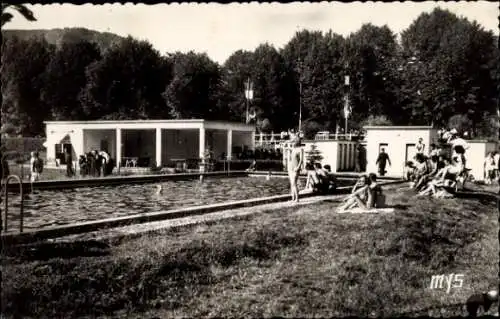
{"x": 196, "y": 121}
{"x": 382, "y": 127}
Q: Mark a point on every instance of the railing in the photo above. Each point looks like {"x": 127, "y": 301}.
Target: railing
{"x": 6, "y": 192}
{"x": 324, "y": 136}
{"x": 277, "y": 140}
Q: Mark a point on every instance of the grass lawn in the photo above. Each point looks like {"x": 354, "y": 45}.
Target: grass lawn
{"x": 296, "y": 262}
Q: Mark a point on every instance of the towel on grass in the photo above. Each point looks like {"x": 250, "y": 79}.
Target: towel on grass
{"x": 367, "y": 211}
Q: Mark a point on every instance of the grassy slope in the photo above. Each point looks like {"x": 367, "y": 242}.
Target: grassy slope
{"x": 295, "y": 262}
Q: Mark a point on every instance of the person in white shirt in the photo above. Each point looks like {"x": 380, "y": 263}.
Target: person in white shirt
{"x": 36, "y": 167}
{"x": 420, "y": 146}
{"x": 489, "y": 168}
{"x": 496, "y": 158}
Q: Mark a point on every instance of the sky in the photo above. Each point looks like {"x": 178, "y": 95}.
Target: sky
{"x": 221, "y": 29}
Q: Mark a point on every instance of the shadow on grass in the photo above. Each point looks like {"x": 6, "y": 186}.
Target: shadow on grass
{"x": 64, "y": 250}
{"x": 138, "y": 281}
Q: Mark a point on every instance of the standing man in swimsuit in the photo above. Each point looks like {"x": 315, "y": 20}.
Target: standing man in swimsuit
{"x": 294, "y": 164}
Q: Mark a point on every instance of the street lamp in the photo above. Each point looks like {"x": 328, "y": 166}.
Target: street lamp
{"x": 248, "y": 96}
{"x": 299, "y": 70}
{"x": 347, "y": 106}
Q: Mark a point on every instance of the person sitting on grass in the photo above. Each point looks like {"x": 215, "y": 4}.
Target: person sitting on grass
{"x": 376, "y": 198}
{"x": 454, "y": 169}
{"x": 331, "y": 180}
{"x": 434, "y": 167}
{"x": 409, "y": 171}
{"x": 358, "y": 196}
{"x": 325, "y": 180}
{"x": 312, "y": 176}
{"x": 422, "y": 168}
{"x": 441, "y": 180}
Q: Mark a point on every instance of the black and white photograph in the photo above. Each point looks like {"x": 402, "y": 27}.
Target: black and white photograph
{"x": 257, "y": 160}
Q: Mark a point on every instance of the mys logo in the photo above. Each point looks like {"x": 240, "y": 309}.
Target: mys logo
{"x": 451, "y": 280}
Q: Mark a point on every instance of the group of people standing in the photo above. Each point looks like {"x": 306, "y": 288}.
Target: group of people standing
{"x": 96, "y": 163}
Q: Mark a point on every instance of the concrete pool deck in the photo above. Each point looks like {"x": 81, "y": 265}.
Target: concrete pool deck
{"x": 116, "y": 180}
{"x": 107, "y": 224}
{"x": 152, "y": 178}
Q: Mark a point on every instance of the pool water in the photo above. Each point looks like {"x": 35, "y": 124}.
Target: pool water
{"x": 51, "y": 208}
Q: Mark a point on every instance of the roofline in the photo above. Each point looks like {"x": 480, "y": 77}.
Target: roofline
{"x": 200, "y": 121}
{"x": 381, "y": 127}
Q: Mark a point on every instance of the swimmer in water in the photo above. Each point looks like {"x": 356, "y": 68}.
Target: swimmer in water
{"x": 159, "y": 190}
{"x": 268, "y": 177}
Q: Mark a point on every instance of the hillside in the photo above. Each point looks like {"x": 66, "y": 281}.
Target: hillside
{"x": 59, "y": 36}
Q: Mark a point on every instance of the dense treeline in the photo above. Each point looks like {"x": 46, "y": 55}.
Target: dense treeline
{"x": 443, "y": 71}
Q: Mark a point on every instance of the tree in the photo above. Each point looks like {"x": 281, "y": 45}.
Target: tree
{"x": 65, "y": 78}
{"x": 454, "y": 59}
{"x": 23, "y": 64}
{"x": 194, "y": 89}
{"x": 21, "y": 9}
{"x": 377, "y": 120}
{"x": 272, "y": 85}
{"x": 313, "y": 155}
{"x": 127, "y": 83}
{"x": 237, "y": 69}
{"x": 370, "y": 57}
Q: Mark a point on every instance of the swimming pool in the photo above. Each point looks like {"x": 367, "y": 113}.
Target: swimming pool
{"x": 47, "y": 208}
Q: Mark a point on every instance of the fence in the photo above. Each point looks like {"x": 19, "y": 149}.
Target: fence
{"x": 19, "y": 148}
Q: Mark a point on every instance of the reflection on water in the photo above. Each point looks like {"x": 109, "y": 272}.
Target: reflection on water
{"x": 51, "y": 208}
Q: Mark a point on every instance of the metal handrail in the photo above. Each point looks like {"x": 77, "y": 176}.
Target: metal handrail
{"x": 21, "y": 213}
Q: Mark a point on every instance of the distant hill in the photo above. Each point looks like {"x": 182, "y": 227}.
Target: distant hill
{"x": 67, "y": 35}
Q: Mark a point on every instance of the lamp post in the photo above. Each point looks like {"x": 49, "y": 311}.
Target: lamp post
{"x": 347, "y": 106}
{"x": 248, "y": 97}
{"x": 299, "y": 70}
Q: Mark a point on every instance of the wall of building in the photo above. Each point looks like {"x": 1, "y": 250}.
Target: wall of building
{"x": 180, "y": 144}
{"x": 241, "y": 139}
{"x": 340, "y": 155}
{"x": 475, "y": 156}
{"x": 397, "y": 144}
{"x": 94, "y": 139}
{"x": 68, "y": 133}
{"x": 216, "y": 141}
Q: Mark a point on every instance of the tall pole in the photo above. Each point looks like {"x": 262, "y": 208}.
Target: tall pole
{"x": 347, "y": 109}
{"x": 299, "y": 69}
{"x": 247, "y": 98}
{"x": 300, "y": 105}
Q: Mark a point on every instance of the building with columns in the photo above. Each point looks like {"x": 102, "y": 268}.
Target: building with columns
{"x": 149, "y": 142}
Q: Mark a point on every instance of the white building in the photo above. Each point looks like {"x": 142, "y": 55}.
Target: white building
{"x": 155, "y": 141}
{"x": 339, "y": 154}
{"x": 399, "y": 143}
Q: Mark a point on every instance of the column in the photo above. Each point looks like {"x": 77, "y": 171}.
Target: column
{"x": 119, "y": 147}
{"x": 158, "y": 147}
{"x": 202, "y": 142}
{"x": 229, "y": 144}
